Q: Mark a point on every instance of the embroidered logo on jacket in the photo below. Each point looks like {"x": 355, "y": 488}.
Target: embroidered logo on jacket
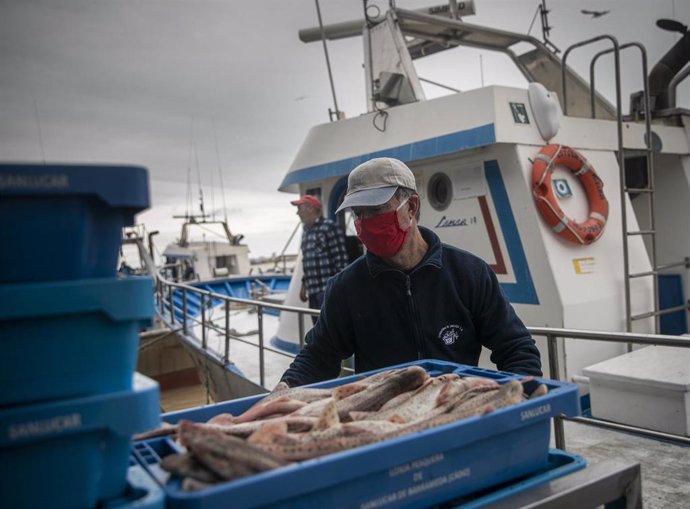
{"x": 450, "y": 333}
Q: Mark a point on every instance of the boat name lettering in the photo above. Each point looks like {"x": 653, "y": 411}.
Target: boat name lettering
{"x": 535, "y": 412}
{"x": 46, "y": 426}
{"x": 45, "y": 181}
{"x": 449, "y": 223}
{"x": 413, "y": 465}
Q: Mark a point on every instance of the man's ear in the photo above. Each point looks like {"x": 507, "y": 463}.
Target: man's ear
{"x": 415, "y": 203}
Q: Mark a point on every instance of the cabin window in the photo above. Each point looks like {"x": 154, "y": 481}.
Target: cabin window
{"x": 440, "y": 191}
{"x": 226, "y": 262}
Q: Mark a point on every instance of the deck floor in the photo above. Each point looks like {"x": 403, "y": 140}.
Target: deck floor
{"x": 665, "y": 466}
{"x": 183, "y": 397}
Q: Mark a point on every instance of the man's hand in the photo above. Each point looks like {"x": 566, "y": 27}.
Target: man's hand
{"x": 303, "y": 294}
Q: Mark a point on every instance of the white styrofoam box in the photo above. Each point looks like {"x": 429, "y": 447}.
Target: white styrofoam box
{"x": 649, "y": 388}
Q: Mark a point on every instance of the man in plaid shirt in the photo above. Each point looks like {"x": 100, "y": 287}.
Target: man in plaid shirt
{"x": 323, "y": 250}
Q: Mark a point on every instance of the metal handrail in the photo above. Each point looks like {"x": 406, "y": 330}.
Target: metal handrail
{"x": 621, "y": 157}
{"x": 673, "y": 84}
{"x": 552, "y": 334}
{"x": 649, "y": 153}
{"x": 165, "y": 291}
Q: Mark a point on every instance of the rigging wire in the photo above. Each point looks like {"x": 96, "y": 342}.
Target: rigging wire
{"x": 219, "y": 235}
{"x": 534, "y": 18}
{"x": 328, "y": 63}
{"x": 198, "y": 176}
{"x": 213, "y": 199}
{"x": 220, "y": 172}
{"x": 188, "y": 204}
{"x": 439, "y": 84}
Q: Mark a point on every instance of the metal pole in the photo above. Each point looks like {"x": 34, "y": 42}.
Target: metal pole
{"x": 159, "y": 291}
{"x": 650, "y": 161}
{"x": 552, "y": 348}
{"x": 184, "y": 310}
{"x": 659, "y": 435}
{"x": 686, "y": 297}
{"x": 227, "y": 331}
{"x": 260, "y": 318}
{"x": 300, "y": 329}
{"x": 203, "y": 321}
{"x": 328, "y": 62}
{"x": 171, "y": 306}
{"x": 621, "y": 158}
{"x": 613, "y": 337}
{"x": 673, "y": 84}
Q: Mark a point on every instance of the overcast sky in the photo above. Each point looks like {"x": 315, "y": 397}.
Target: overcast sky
{"x": 162, "y": 83}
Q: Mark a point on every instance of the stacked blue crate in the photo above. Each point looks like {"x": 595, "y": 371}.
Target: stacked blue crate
{"x": 69, "y": 401}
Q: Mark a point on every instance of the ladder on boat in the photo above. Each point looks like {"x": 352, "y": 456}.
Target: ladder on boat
{"x": 646, "y": 188}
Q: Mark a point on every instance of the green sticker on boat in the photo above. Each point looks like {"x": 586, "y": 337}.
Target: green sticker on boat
{"x": 519, "y": 113}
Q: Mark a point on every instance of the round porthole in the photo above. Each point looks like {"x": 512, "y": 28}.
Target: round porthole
{"x": 440, "y": 191}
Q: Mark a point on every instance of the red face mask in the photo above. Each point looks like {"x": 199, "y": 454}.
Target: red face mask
{"x": 382, "y": 234}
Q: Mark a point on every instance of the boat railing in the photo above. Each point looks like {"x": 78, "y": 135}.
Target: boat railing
{"x": 172, "y": 301}
{"x": 555, "y": 337}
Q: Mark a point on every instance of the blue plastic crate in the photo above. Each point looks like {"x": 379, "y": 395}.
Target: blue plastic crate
{"x": 415, "y": 470}
{"x": 65, "y": 221}
{"x": 70, "y": 454}
{"x": 560, "y": 463}
{"x": 70, "y": 338}
{"x": 141, "y": 491}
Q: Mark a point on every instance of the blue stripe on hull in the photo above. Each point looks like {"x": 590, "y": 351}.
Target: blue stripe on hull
{"x": 522, "y": 291}
{"x": 433, "y": 147}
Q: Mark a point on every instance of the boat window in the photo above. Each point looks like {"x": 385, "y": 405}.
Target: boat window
{"x": 440, "y": 191}
{"x": 228, "y": 262}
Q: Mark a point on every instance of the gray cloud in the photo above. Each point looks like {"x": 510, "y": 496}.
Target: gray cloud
{"x": 125, "y": 80}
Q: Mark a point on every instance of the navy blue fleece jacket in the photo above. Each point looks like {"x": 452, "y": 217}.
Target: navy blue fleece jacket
{"x": 447, "y": 307}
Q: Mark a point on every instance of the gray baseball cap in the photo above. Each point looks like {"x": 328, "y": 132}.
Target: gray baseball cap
{"x": 374, "y": 182}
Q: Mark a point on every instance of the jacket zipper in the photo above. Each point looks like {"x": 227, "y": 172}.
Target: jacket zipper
{"x": 417, "y": 334}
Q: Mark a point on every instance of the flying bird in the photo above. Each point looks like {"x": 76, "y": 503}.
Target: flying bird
{"x": 594, "y": 14}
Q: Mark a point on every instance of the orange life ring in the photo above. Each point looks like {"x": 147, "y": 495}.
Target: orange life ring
{"x": 542, "y": 168}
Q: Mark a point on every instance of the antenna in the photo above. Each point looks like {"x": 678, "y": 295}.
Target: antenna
{"x": 188, "y": 205}
{"x": 201, "y": 189}
{"x": 481, "y": 68}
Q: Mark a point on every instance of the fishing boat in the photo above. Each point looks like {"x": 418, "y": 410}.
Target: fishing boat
{"x": 601, "y": 250}
{"x": 478, "y": 159}
{"x": 188, "y": 370}
{"x": 207, "y": 259}
{"x": 580, "y": 210}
